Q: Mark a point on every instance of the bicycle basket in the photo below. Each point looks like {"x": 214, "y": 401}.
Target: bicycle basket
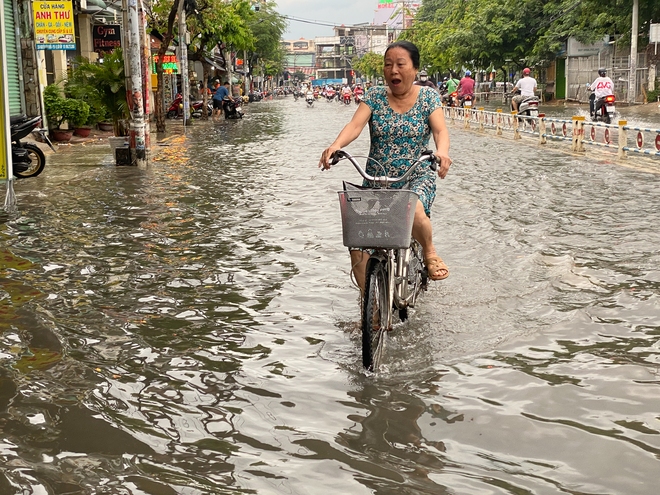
{"x": 377, "y": 218}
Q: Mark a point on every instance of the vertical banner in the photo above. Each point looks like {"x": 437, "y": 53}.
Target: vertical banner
{"x": 53, "y": 25}
{"x": 5, "y": 132}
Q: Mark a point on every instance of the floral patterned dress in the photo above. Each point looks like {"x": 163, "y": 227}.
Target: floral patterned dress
{"x": 396, "y": 137}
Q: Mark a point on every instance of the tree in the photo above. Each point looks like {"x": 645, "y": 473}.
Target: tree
{"x": 213, "y": 22}
{"x": 161, "y": 19}
{"x": 267, "y": 27}
{"x": 485, "y": 33}
{"x": 370, "y": 65}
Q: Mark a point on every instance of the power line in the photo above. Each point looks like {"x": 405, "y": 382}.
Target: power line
{"x": 320, "y": 23}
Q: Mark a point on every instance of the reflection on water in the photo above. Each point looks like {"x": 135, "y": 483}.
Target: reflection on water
{"x": 192, "y": 328}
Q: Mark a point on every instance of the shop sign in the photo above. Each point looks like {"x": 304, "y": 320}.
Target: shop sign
{"x": 53, "y": 25}
{"x": 106, "y": 37}
{"x": 170, "y": 64}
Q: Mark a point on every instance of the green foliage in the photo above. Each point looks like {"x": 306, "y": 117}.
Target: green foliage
{"x": 59, "y": 109}
{"x": 370, "y": 64}
{"x": 487, "y": 33}
{"x": 103, "y": 86}
{"x": 652, "y": 96}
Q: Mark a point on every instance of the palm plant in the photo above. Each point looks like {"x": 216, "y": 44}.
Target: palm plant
{"x": 104, "y": 86}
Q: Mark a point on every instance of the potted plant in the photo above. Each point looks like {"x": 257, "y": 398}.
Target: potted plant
{"x": 77, "y": 113}
{"x": 59, "y": 110}
{"x": 103, "y": 82}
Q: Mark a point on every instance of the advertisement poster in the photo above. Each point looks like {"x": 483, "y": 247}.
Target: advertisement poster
{"x": 53, "y": 25}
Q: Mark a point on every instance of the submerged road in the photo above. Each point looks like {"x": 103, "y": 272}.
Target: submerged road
{"x": 192, "y": 329}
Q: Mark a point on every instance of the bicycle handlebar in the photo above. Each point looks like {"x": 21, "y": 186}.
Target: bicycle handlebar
{"x": 426, "y": 156}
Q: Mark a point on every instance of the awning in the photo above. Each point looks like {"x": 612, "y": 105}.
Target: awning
{"x": 93, "y": 7}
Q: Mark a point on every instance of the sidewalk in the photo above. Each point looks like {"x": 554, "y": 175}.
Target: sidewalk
{"x": 95, "y": 149}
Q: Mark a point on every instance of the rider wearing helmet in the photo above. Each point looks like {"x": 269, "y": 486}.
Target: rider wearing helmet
{"x": 466, "y": 86}
{"x": 601, "y": 87}
{"x": 526, "y": 86}
{"x": 424, "y": 80}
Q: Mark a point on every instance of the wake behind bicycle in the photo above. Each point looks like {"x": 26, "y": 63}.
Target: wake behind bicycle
{"x": 379, "y": 219}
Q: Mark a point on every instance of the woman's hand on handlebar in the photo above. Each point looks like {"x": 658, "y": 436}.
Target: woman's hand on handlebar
{"x": 326, "y": 156}
{"x": 444, "y": 163}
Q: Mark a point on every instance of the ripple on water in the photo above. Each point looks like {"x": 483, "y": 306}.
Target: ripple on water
{"x": 192, "y": 328}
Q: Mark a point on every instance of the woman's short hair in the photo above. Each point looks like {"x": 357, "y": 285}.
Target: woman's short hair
{"x": 412, "y": 50}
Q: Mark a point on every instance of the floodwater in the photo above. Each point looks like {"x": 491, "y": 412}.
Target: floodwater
{"x": 192, "y": 329}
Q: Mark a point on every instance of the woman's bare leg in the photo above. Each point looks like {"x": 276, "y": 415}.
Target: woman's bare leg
{"x": 359, "y": 266}
{"x": 422, "y": 231}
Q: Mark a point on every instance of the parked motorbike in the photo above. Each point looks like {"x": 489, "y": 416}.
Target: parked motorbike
{"x": 176, "y": 108}
{"x": 232, "y": 107}
{"x": 198, "y": 108}
{"x": 604, "y": 109}
{"x": 27, "y": 159}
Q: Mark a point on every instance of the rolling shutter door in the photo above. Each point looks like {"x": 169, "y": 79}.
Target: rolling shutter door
{"x": 13, "y": 74}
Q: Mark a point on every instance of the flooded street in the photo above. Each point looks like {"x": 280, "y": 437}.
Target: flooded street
{"x": 192, "y": 329}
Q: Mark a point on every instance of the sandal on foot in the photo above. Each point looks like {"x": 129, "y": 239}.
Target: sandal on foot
{"x": 435, "y": 265}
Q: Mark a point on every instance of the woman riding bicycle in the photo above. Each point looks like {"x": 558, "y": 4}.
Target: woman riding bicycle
{"x": 401, "y": 116}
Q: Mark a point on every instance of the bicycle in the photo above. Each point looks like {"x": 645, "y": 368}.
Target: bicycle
{"x": 380, "y": 218}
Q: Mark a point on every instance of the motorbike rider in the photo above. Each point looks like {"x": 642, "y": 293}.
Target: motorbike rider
{"x": 527, "y": 87}
{"x": 601, "y": 87}
{"x": 346, "y": 92}
{"x": 442, "y": 87}
{"x": 220, "y": 93}
{"x": 358, "y": 92}
{"x": 424, "y": 80}
{"x": 466, "y": 86}
{"x": 452, "y": 84}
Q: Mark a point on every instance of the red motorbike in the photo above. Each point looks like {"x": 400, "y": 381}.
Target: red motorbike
{"x": 176, "y": 108}
{"x": 346, "y": 98}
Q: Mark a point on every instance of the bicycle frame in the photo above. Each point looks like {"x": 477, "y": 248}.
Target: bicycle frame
{"x": 400, "y": 293}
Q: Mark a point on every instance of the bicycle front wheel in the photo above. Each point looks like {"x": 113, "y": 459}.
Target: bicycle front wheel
{"x": 375, "y": 314}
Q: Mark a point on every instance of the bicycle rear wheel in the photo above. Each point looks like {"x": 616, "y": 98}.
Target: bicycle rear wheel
{"x": 375, "y": 312}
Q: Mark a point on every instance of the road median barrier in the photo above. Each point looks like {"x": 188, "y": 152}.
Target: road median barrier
{"x": 581, "y": 134}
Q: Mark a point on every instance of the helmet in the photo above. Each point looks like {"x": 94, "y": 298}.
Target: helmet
{"x": 601, "y": 72}
{"x": 445, "y": 78}
{"x": 423, "y": 73}
{"x": 468, "y": 73}
{"x": 526, "y": 71}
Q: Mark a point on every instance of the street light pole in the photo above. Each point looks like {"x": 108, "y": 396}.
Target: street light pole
{"x": 632, "y": 80}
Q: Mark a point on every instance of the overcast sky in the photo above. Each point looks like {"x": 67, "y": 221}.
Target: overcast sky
{"x": 346, "y": 12}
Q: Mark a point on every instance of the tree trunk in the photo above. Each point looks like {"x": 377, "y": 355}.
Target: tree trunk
{"x": 205, "y": 95}
{"x": 158, "y": 96}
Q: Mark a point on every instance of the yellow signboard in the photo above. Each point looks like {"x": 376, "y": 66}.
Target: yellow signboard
{"x": 53, "y": 25}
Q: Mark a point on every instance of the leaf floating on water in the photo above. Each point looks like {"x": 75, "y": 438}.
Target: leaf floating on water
{"x": 37, "y": 359}
{"x": 10, "y": 260}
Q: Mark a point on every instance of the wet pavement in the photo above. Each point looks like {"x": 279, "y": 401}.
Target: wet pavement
{"x": 192, "y": 329}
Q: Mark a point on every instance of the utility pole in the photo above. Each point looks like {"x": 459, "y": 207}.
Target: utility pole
{"x": 146, "y": 67}
{"x": 133, "y": 66}
{"x": 246, "y": 83}
{"x": 183, "y": 61}
{"x": 632, "y": 80}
